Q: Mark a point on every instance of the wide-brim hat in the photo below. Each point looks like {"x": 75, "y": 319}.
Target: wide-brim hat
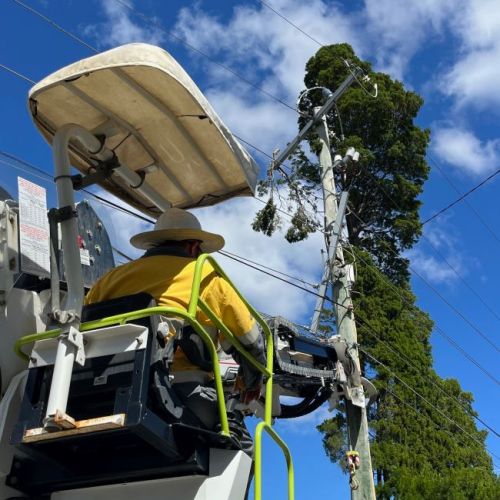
{"x": 176, "y": 224}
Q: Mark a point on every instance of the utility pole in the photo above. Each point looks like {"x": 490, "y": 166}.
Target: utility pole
{"x": 362, "y": 485}
{"x": 356, "y": 416}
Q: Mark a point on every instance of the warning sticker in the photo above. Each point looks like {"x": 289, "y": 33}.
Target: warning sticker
{"x": 84, "y": 257}
{"x": 33, "y": 228}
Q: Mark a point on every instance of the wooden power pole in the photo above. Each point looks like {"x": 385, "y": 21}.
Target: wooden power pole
{"x": 362, "y": 485}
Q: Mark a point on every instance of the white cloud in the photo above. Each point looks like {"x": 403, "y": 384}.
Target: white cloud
{"x": 397, "y": 30}
{"x": 462, "y": 149}
{"x": 475, "y": 77}
{"x": 306, "y": 424}
{"x": 119, "y": 28}
{"x": 269, "y": 53}
{"x": 432, "y": 269}
{"x": 258, "y": 40}
{"x": 447, "y": 263}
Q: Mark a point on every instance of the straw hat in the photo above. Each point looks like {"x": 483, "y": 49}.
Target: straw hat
{"x": 177, "y": 225}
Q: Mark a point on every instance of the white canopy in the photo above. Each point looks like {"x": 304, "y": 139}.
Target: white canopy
{"x": 156, "y": 120}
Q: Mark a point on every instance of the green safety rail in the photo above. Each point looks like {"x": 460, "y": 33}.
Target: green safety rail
{"x": 196, "y": 304}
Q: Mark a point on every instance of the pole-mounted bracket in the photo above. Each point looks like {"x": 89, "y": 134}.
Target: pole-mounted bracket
{"x": 75, "y": 337}
{"x": 103, "y": 171}
{"x": 61, "y": 214}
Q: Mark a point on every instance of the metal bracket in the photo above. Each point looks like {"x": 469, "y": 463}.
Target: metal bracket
{"x": 103, "y": 171}
{"x": 332, "y": 251}
{"x": 357, "y": 396}
{"x": 75, "y": 337}
{"x": 59, "y": 215}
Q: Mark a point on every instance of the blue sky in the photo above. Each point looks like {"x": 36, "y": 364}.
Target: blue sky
{"x": 446, "y": 50}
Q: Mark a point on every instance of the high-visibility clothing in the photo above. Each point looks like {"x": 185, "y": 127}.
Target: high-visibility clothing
{"x": 169, "y": 280}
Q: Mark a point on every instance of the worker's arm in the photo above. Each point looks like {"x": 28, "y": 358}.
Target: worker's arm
{"x": 228, "y": 306}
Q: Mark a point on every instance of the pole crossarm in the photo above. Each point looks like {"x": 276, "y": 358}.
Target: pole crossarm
{"x": 329, "y": 104}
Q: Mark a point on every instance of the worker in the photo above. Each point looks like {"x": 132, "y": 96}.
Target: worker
{"x": 166, "y": 272}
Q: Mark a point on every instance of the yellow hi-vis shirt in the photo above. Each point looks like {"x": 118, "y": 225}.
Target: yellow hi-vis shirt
{"x": 169, "y": 279}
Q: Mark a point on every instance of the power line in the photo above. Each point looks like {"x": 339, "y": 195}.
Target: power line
{"x": 230, "y": 254}
{"x": 473, "y": 210}
{"x": 290, "y": 22}
{"x": 436, "y": 250}
{"x": 55, "y": 25}
{"x": 460, "y": 198}
{"x": 14, "y": 72}
{"x": 241, "y": 261}
{"x": 399, "y": 353}
{"x": 408, "y": 386}
{"x": 451, "y": 306}
{"x": 416, "y": 410}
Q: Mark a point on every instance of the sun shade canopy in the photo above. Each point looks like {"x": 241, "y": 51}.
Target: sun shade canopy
{"x": 150, "y": 112}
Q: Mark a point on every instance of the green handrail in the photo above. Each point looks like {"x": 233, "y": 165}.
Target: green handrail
{"x": 196, "y": 304}
{"x": 264, "y": 426}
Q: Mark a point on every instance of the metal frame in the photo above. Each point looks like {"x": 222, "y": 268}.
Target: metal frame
{"x": 196, "y": 304}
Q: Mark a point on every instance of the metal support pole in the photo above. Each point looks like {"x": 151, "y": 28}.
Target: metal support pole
{"x": 69, "y": 317}
{"x": 346, "y": 327}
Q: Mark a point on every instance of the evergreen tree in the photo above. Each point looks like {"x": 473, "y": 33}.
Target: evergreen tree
{"x": 422, "y": 448}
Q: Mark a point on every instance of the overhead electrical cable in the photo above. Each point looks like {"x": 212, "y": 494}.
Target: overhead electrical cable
{"x": 14, "y": 72}
{"x": 158, "y": 26}
{"x": 471, "y": 207}
{"x": 440, "y": 295}
{"x": 301, "y": 280}
{"x": 462, "y": 197}
{"x": 423, "y": 398}
{"x": 270, "y": 7}
{"x": 401, "y": 354}
{"x": 55, "y": 25}
{"x": 444, "y": 259}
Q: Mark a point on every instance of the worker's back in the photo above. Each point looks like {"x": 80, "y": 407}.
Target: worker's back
{"x": 167, "y": 278}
